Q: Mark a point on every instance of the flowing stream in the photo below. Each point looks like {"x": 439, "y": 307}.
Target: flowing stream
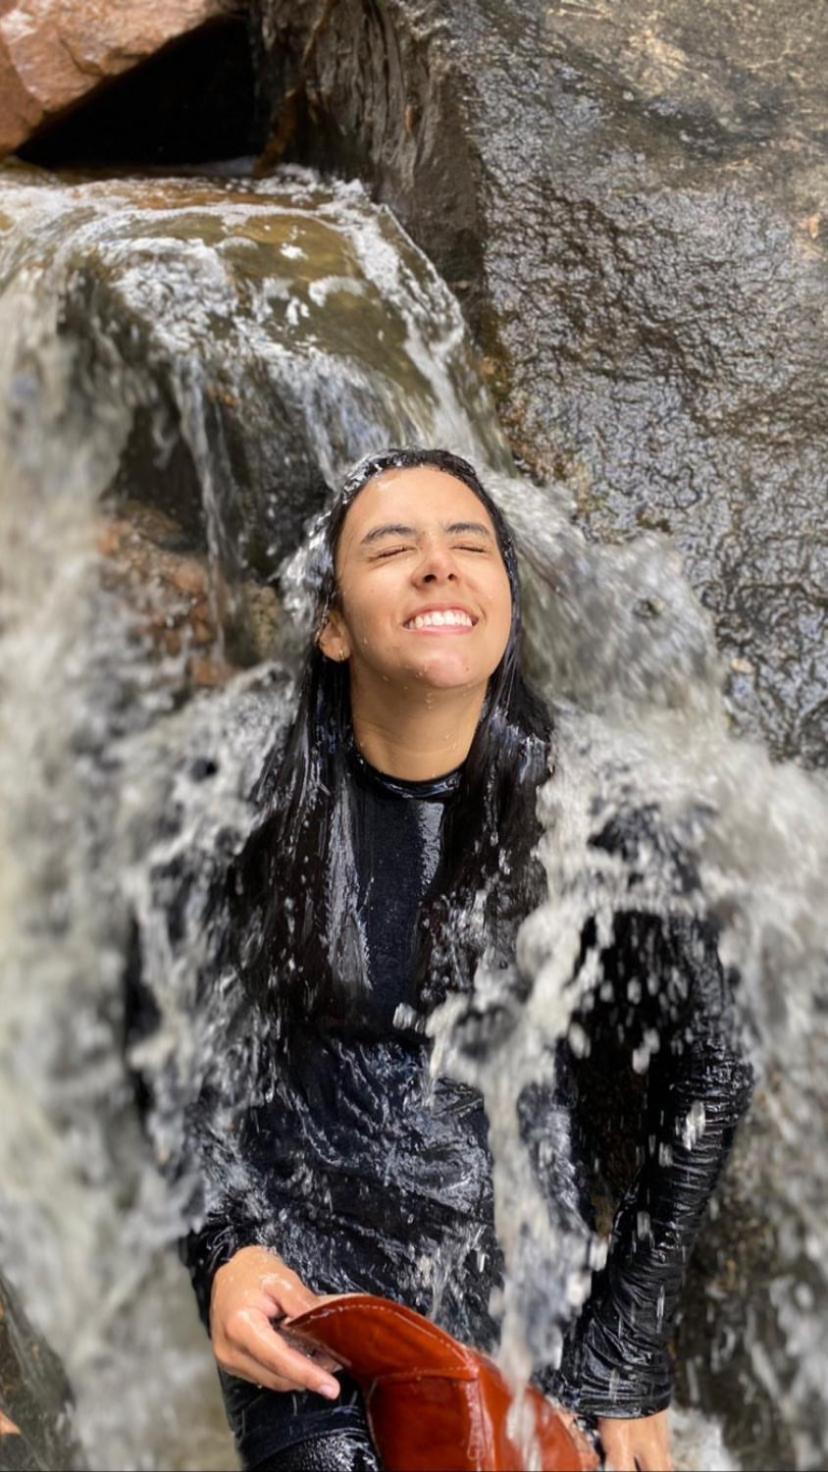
{"x": 184, "y": 362}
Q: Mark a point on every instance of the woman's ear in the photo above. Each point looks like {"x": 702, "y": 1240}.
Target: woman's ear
{"x": 333, "y": 640}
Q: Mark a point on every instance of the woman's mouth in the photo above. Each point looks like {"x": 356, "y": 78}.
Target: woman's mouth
{"x": 441, "y": 621}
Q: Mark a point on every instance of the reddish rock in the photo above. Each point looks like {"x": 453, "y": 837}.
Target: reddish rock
{"x": 167, "y": 591}
{"x": 53, "y": 53}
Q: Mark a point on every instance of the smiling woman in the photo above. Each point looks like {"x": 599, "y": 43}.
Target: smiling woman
{"x": 395, "y": 853}
{"x": 423, "y": 605}
{"x": 406, "y": 783}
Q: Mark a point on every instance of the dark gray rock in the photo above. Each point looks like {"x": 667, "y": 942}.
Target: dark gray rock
{"x": 626, "y": 199}
{"x": 36, "y": 1429}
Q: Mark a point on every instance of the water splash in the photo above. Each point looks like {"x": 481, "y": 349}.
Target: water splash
{"x": 194, "y": 291}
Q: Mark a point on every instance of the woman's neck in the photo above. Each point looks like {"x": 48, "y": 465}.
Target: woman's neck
{"x": 415, "y": 735}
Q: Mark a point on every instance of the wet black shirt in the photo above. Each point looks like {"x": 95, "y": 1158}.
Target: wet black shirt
{"x": 365, "y": 1174}
{"x": 397, "y": 828}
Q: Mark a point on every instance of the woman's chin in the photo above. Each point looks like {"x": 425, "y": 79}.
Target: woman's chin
{"x": 444, "y": 672}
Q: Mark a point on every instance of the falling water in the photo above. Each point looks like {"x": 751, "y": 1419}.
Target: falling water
{"x": 211, "y": 349}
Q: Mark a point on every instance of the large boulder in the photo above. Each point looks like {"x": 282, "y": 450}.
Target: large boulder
{"x": 625, "y": 197}
{"x": 54, "y": 53}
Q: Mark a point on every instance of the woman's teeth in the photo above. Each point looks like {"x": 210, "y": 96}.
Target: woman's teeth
{"x": 437, "y": 620}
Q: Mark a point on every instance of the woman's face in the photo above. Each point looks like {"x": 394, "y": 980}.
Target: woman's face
{"x": 424, "y": 592}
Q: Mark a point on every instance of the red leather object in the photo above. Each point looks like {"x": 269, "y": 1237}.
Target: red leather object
{"x": 433, "y": 1404}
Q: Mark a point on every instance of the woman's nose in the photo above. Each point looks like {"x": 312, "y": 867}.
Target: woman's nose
{"x": 437, "y": 566}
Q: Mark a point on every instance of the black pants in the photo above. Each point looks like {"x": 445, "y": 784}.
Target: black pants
{"x": 337, "y": 1451}
{"x": 299, "y": 1432}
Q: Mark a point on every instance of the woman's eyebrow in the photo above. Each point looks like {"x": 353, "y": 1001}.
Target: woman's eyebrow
{"x": 468, "y": 526}
{"x": 396, "y": 529}
{"x": 388, "y": 529}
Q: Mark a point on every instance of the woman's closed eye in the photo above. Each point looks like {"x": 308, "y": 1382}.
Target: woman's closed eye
{"x": 395, "y": 551}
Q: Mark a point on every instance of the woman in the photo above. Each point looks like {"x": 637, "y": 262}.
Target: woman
{"x": 394, "y": 851}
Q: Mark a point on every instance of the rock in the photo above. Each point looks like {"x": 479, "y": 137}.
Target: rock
{"x": 168, "y": 593}
{"x": 191, "y": 104}
{"x": 36, "y": 1422}
{"x": 627, "y": 199}
{"x": 731, "y": 1322}
{"x": 240, "y": 344}
{"x": 54, "y": 53}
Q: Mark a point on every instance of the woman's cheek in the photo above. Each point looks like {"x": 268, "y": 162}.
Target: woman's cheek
{"x": 373, "y": 632}
{"x": 359, "y": 617}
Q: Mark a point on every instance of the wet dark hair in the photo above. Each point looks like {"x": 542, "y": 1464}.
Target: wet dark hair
{"x": 296, "y": 878}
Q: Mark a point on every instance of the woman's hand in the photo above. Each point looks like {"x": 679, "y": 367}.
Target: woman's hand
{"x": 640, "y": 1445}
{"x": 253, "y": 1288}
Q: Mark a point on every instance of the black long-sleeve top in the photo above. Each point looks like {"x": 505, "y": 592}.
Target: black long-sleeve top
{"x": 364, "y": 1173}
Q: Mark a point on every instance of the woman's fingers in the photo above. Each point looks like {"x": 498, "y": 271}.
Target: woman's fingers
{"x": 249, "y": 1291}
{"x": 641, "y": 1444}
{"x": 244, "y": 1367}
{"x": 319, "y": 1356}
{"x": 255, "y": 1271}
{"x": 288, "y": 1291}
{"x": 250, "y": 1333}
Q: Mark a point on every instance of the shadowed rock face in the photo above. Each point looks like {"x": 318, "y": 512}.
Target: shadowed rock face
{"x": 35, "y": 1422}
{"x": 191, "y": 102}
{"x": 626, "y": 200}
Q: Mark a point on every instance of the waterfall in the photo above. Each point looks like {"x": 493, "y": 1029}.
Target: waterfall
{"x": 186, "y": 363}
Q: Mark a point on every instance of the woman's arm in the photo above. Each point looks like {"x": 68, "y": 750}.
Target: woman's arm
{"x": 227, "y": 1221}
{"x": 242, "y": 1288}
{"x": 617, "y": 1365}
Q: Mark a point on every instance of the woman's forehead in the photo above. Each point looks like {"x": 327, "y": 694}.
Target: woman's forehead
{"x": 418, "y": 496}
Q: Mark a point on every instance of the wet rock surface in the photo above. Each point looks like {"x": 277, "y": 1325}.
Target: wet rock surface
{"x": 35, "y": 1400}
{"x": 53, "y": 53}
{"x": 178, "y": 608}
{"x": 256, "y": 338}
{"x": 629, "y": 201}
